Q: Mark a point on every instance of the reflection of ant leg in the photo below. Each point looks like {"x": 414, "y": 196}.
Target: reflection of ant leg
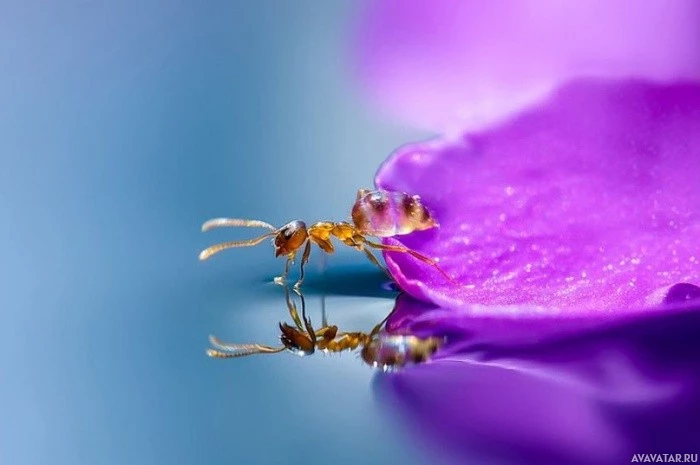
{"x": 324, "y": 318}
{"x": 227, "y": 350}
{"x": 307, "y": 320}
{"x": 379, "y": 326}
{"x": 413, "y": 253}
{"x": 292, "y": 308}
{"x": 326, "y": 331}
{"x": 304, "y": 260}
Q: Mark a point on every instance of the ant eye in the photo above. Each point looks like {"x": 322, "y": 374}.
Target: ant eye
{"x": 289, "y": 229}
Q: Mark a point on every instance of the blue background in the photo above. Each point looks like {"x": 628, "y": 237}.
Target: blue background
{"x": 123, "y": 126}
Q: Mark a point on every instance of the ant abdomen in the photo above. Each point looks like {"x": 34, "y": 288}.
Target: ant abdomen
{"x": 385, "y": 214}
{"x": 394, "y": 351}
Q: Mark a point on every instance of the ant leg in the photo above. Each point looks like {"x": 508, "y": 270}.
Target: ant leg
{"x": 413, "y": 253}
{"x": 282, "y": 279}
{"x": 358, "y": 242}
{"x": 374, "y": 260}
{"x": 304, "y": 260}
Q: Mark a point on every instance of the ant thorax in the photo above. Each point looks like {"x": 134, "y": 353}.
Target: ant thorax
{"x": 384, "y": 214}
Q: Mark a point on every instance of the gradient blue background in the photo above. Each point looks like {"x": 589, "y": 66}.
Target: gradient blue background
{"x": 124, "y": 125}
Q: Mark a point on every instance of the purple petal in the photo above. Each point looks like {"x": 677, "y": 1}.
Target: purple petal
{"x": 548, "y": 390}
{"x": 588, "y": 202}
{"x": 464, "y": 63}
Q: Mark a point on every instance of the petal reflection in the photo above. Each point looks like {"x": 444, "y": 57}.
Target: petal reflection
{"x": 529, "y": 391}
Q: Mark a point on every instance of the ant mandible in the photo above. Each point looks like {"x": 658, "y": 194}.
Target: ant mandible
{"x": 377, "y": 213}
{"x": 378, "y": 349}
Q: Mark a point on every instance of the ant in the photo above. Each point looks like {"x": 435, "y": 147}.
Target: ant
{"x": 377, "y": 213}
{"x": 379, "y": 349}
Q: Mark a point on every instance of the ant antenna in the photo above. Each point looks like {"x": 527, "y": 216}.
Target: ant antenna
{"x": 235, "y": 222}
{"x": 214, "y": 249}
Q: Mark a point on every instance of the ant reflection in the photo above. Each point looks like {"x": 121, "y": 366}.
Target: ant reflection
{"x": 377, "y": 348}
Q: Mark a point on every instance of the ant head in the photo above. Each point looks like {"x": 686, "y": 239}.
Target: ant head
{"x": 296, "y": 341}
{"x": 290, "y": 237}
